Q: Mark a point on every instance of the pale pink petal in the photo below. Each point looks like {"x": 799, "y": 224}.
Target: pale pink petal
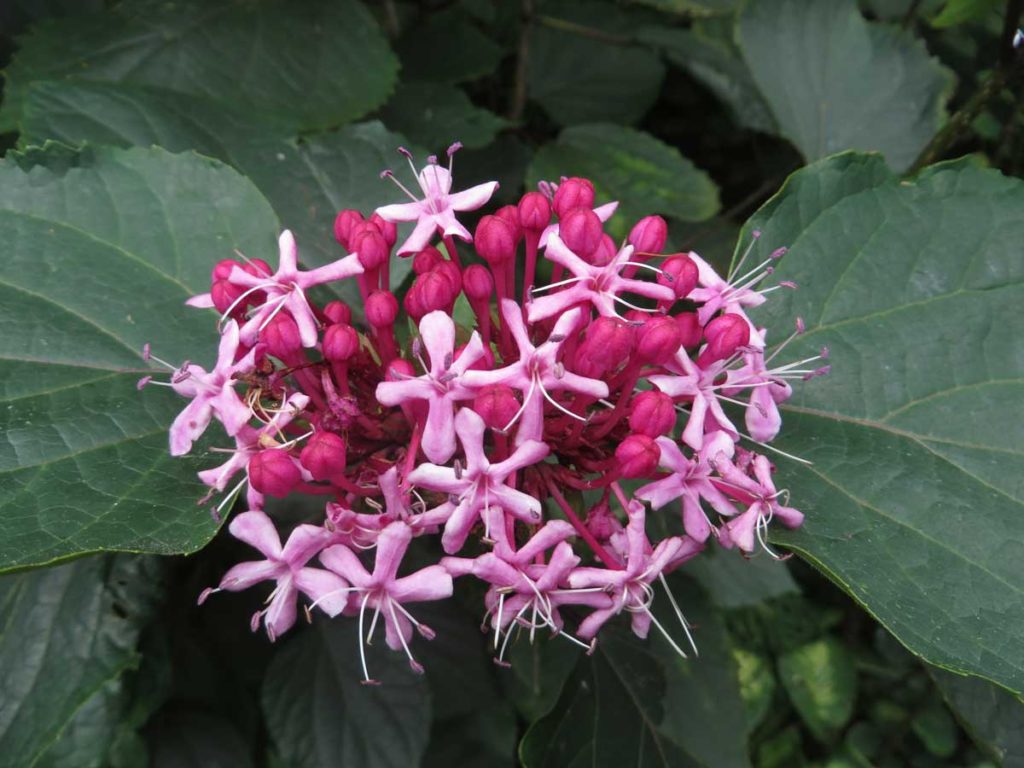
{"x": 324, "y": 588}
{"x": 202, "y": 301}
{"x": 661, "y": 492}
{"x": 392, "y": 393}
{"x": 640, "y": 623}
{"x": 189, "y": 425}
{"x": 474, "y": 197}
{"x": 304, "y": 318}
{"x": 605, "y": 212}
{"x": 437, "y": 478}
{"x": 551, "y": 304}
{"x": 591, "y": 625}
{"x": 437, "y": 330}
{"x": 431, "y": 583}
{"x": 344, "y": 562}
{"x": 391, "y": 546}
{"x": 446, "y": 222}
{"x": 245, "y": 575}
{"x": 438, "y": 441}
{"x": 396, "y": 624}
{"x": 513, "y": 317}
{"x": 457, "y": 529}
{"x": 471, "y": 428}
{"x": 559, "y": 252}
{"x": 517, "y": 503}
{"x": 695, "y": 522}
{"x": 553, "y": 532}
{"x": 402, "y": 211}
{"x": 762, "y": 416}
{"x": 420, "y": 236}
{"x": 303, "y": 543}
{"x": 288, "y": 256}
{"x": 257, "y": 530}
{"x": 579, "y": 384}
{"x": 233, "y": 413}
{"x": 280, "y": 616}
{"x": 349, "y": 266}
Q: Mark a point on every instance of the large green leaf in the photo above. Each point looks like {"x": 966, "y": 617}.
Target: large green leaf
{"x": 101, "y": 250}
{"x": 319, "y": 713}
{"x": 993, "y": 717}
{"x": 644, "y": 174}
{"x": 434, "y": 115}
{"x": 637, "y": 703}
{"x": 821, "y": 681}
{"x": 914, "y": 500}
{"x": 69, "y": 634}
{"x": 836, "y": 82}
{"x": 307, "y": 181}
{"x": 229, "y": 51}
{"x": 582, "y": 71}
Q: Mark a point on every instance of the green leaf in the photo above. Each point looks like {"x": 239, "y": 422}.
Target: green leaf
{"x": 956, "y": 12}
{"x": 69, "y": 634}
{"x": 319, "y": 714}
{"x": 434, "y": 115}
{"x": 644, "y": 174}
{"x": 914, "y": 500}
{"x": 446, "y": 46}
{"x": 100, "y": 253}
{"x": 222, "y": 50}
{"x": 538, "y": 674}
{"x": 835, "y": 81}
{"x": 736, "y": 582}
{"x": 990, "y": 714}
{"x": 307, "y": 181}
{"x": 934, "y": 726}
{"x": 821, "y": 681}
{"x": 580, "y": 73}
{"x": 715, "y": 61}
{"x": 636, "y": 702}
{"x": 693, "y": 7}
{"x": 182, "y": 739}
{"x": 757, "y": 685}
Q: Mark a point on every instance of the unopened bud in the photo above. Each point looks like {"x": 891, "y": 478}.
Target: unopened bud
{"x": 725, "y": 334}
{"x": 658, "y": 339}
{"x": 338, "y": 312}
{"x": 224, "y": 294}
{"x": 690, "y": 331}
{"x": 605, "y": 252}
{"x": 637, "y": 456}
{"x": 477, "y": 283}
{"x": 273, "y": 472}
{"x": 573, "y": 193}
{"x": 652, "y": 413}
{"x": 435, "y": 290}
{"x": 257, "y": 268}
{"x": 534, "y": 211}
{"x": 222, "y": 270}
{"x": 281, "y": 335}
{"x": 371, "y": 247}
{"x": 324, "y": 456}
{"x": 497, "y": 405}
{"x": 683, "y": 274}
{"x": 426, "y": 260}
{"x": 340, "y": 343}
{"x": 495, "y": 240}
{"x": 343, "y": 224}
{"x": 381, "y": 309}
{"x": 648, "y": 235}
{"x": 581, "y": 231}
{"x": 387, "y": 228}
{"x": 510, "y": 215}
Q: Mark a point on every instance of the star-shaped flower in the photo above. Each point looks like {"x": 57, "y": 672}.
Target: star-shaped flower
{"x": 287, "y": 566}
{"x": 436, "y": 211}
{"x": 597, "y": 285}
{"x": 687, "y": 379}
{"x": 441, "y": 386}
{"x": 764, "y": 506}
{"x": 479, "y": 484}
{"x": 537, "y": 372}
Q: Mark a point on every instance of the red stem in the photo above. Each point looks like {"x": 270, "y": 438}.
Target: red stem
{"x": 581, "y": 529}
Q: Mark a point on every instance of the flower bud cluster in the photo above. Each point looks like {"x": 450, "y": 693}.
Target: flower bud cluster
{"x": 534, "y": 444}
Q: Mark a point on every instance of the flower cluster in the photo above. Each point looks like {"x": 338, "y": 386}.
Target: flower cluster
{"x": 536, "y": 443}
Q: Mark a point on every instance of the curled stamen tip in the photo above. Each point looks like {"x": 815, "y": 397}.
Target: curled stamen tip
{"x": 205, "y": 594}
{"x": 789, "y": 284}
{"x": 455, "y": 147}
{"x": 755, "y": 234}
{"x": 502, "y": 663}
{"x": 769, "y": 270}
{"x": 592, "y": 648}
{"x": 426, "y": 631}
{"x": 778, "y": 253}
{"x": 416, "y": 667}
{"x": 369, "y": 681}
{"x": 387, "y": 173}
{"x": 254, "y": 622}
{"x": 309, "y": 614}
{"x": 143, "y": 382}
{"x": 405, "y": 152}
{"x": 824, "y": 353}
{"x": 800, "y": 326}
{"x": 145, "y": 351}
{"x": 215, "y": 514}
{"x": 432, "y": 159}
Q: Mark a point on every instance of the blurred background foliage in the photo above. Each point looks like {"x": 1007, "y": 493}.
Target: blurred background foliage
{"x": 695, "y": 109}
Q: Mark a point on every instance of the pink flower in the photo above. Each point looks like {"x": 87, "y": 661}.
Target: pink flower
{"x": 537, "y": 372}
{"x": 691, "y": 480}
{"x": 248, "y": 442}
{"x": 718, "y": 294}
{"x": 597, "y": 285}
{"x": 630, "y": 587}
{"x": 441, "y": 386}
{"x": 285, "y": 290}
{"x": 436, "y": 211}
{"x": 479, "y": 485}
{"x": 764, "y": 507}
{"x": 690, "y": 380}
{"x": 212, "y": 393}
{"x": 385, "y": 592}
{"x": 287, "y": 567}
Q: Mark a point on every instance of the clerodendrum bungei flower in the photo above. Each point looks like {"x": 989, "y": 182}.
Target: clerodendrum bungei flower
{"x": 624, "y": 363}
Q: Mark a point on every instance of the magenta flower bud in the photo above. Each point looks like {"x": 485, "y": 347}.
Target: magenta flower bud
{"x": 222, "y": 270}
{"x": 510, "y": 215}
{"x": 683, "y": 274}
{"x": 581, "y": 231}
{"x": 282, "y": 337}
{"x": 495, "y": 240}
{"x": 450, "y": 271}
{"x": 435, "y": 290}
{"x": 399, "y": 369}
{"x": 371, "y": 247}
{"x": 637, "y": 455}
{"x": 338, "y": 312}
{"x": 606, "y": 251}
{"x": 497, "y": 405}
{"x": 381, "y": 309}
{"x": 412, "y": 302}
{"x": 573, "y": 193}
{"x": 273, "y": 472}
{"x": 324, "y": 456}
{"x": 387, "y": 228}
{"x": 725, "y": 334}
{"x": 477, "y": 283}
{"x": 340, "y": 342}
{"x": 601, "y": 521}
{"x": 658, "y": 339}
{"x": 534, "y": 211}
{"x": 690, "y": 329}
{"x": 649, "y": 235}
{"x": 224, "y": 294}
{"x": 343, "y": 224}
{"x": 426, "y": 260}
{"x": 652, "y": 413}
{"x": 257, "y": 268}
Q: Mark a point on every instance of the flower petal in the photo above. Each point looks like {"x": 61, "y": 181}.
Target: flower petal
{"x": 344, "y": 562}
{"x": 324, "y": 588}
{"x": 472, "y": 198}
{"x": 257, "y": 530}
{"x": 431, "y": 583}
